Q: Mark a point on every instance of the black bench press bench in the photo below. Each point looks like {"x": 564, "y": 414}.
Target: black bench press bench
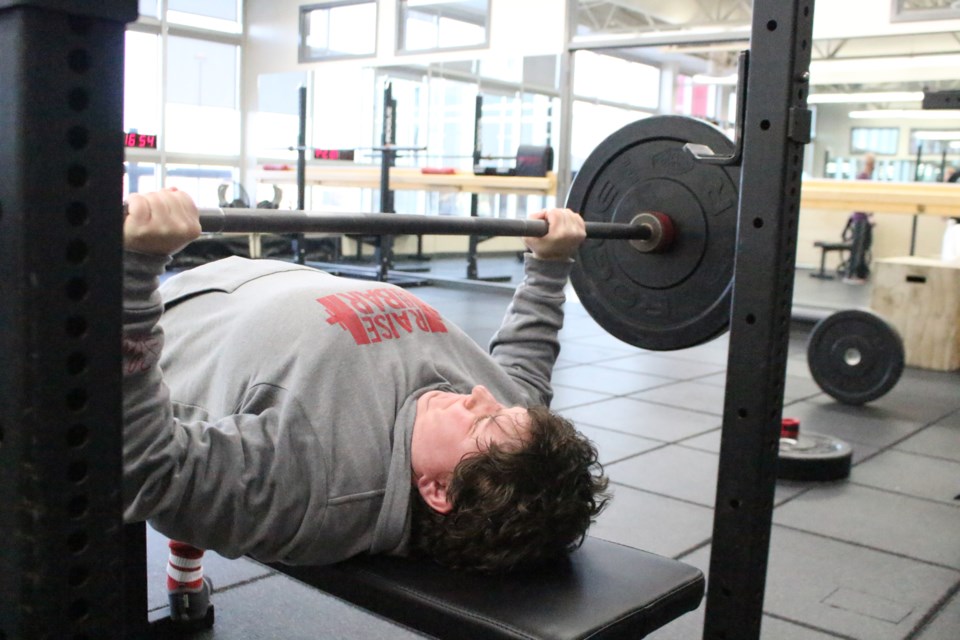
{"x": 604, "y": 591}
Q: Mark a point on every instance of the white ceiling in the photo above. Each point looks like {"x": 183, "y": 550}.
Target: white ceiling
{"x": 859, "y": 45}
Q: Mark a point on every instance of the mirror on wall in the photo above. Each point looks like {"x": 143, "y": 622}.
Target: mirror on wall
{"x": 441, "y": 25}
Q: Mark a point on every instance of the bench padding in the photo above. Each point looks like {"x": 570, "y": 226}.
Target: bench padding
{"x": 604, "y": 591}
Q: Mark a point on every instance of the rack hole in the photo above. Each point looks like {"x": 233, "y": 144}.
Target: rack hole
{"x": 757, "y": 223}
{"x": 741, "y": 412}
{"x": 772, "y": 25}
{"x": 751, "y": 318}
{"x": 735, "y": 503}
{"x": 764, "y": 124}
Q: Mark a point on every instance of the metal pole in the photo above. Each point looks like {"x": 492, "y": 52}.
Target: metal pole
{"x": 388, "y": 137}
{"x": 776, "y": 128}
{"x": 299, "y": 242}
{"x": 261, "y": 221}
{"x": 62, "y": 559}
{"x": 474, "y": 241}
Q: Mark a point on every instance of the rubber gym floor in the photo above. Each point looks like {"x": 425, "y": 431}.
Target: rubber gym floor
{"x": 873, "y": 557}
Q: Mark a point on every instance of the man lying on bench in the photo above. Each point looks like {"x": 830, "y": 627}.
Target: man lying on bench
{"x": 277, "y": 411}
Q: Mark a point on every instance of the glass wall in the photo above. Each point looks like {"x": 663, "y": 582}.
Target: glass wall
{"x": 182, "y": 71}
{"x": 601, "y": 105}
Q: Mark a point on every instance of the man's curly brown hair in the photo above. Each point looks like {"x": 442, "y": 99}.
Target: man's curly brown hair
{"x": 516, "y": 507}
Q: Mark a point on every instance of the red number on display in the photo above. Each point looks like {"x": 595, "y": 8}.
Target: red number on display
{"x": 141, "y": 140}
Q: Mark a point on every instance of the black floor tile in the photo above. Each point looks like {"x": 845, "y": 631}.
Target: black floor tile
{"x": 644, "y": 419}
{"x": 613, "y": 445}
{"x": 567, "y": 397}
{"x": 946, "y": 624}
{"x": 653, "y": 523}
{"x": 912, "y": 474}
{"x": 674, "y": 368}
{"x": 833, "y": 587}
{"x": 941, "y": 440}
{"x": 687, "y": 395}
{"x": 604, "y": 380}
{"x": 910, "y": 527}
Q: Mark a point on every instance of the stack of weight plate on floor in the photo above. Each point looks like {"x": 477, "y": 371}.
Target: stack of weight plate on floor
{"x": 855, "y": 357}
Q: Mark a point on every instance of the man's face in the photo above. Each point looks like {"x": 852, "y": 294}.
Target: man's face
{"x": 451, "y": 426}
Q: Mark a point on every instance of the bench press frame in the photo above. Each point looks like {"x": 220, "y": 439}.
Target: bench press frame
{"x": 68, "y": 565}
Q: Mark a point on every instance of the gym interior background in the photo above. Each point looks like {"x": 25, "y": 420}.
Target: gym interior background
{"x": 211, "y": 90}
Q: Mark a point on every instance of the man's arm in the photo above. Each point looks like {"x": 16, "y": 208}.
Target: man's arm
{"x": 526, "y": 344}
{"x": 156, "y": 226}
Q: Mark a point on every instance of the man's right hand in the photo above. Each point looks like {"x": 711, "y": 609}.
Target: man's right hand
{"x": 566, "y": 233}
{"x": 160, "y": 223}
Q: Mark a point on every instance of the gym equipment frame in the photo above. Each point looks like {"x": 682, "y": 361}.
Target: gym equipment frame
{"x": 69, "y": 568}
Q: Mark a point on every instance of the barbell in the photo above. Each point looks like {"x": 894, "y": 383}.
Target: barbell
{"x": 645, "y": 226}
{"x": 656, "y": 269}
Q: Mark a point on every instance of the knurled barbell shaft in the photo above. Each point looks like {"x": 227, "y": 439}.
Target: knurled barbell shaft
{"x": 273, "y": 221}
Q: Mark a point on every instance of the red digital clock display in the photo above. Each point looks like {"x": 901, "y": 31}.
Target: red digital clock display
{"x": 333, "y": 154}
{"x": 136, "y": 140}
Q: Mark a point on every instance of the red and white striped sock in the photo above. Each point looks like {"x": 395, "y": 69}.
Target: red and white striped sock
{"x": 185, "y": 567}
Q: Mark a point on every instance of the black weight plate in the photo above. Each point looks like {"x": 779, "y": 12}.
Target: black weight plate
{"x": 855, "y": 356}
{"x": 679, "y": 297}
{"x": 814, "y": 457}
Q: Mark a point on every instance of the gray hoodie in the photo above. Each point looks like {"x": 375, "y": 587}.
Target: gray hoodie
{"x": 272, "y": 413}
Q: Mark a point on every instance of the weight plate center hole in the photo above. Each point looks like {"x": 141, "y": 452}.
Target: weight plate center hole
{"x": 852, "y": 357}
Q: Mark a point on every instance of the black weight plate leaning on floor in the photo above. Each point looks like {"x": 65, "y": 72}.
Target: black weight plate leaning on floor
{"x": 855, "y": 356}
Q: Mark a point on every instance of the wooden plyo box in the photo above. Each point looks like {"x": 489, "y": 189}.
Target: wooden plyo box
{"x": 921, "y": 298}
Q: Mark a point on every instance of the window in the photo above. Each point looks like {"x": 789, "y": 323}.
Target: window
{"x": 874, "y": 140}
{"x": 338, "y": 29}
{"x": 182, "y": 69}
{"x": 431, "y": 25}
{"x": 141, "y": 90}
{"x": 637, "y": 84}
{"x": 202, "y": 108}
